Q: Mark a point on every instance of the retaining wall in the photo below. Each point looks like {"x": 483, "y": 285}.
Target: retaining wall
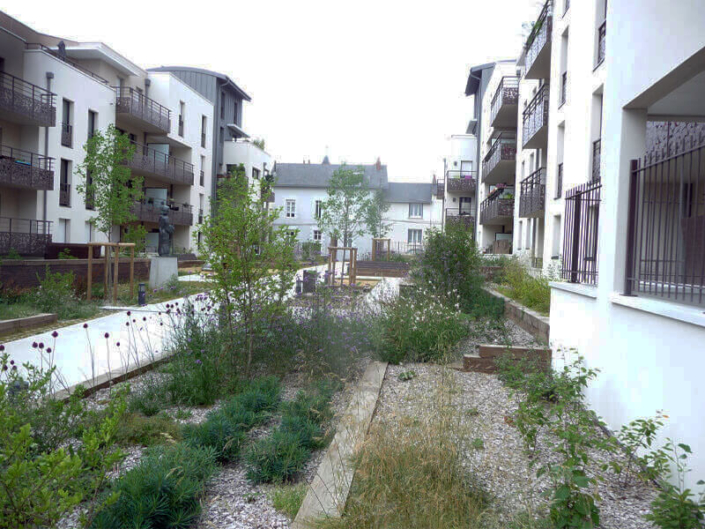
{"x": 529, "y": 320}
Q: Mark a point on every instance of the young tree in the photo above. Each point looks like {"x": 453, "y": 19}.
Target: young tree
{"x": 107, "y": 182}
{"x": 346, "y": 210}
{"x": 252, "y": 260}
{"x": 375, "y": 215}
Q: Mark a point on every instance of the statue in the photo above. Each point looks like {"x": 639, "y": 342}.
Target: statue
{"x": 165, "y": 232}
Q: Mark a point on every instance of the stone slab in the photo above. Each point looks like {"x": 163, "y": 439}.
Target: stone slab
{"x": 329, "y": 490}
{"x": 161, "y": 270}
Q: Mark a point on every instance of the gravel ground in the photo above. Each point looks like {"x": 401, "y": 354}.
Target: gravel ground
{"x": 483, "y": 408}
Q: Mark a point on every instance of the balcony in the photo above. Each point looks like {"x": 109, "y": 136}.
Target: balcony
{"x": 67, "y": 135}
{"x": 504, "y": 103}
{"x": 27, "y": 237}
{"x": 559, "y": 182}
{"x": 136, "y": 109}
{"x": 461, "y": 181}
{"x": 535, "y": 129}
{"x": 149, "y": 210}
{"x": 65, "y": 195}
{"x": 440, "y": 189}
{"x": 25, "y": 103}
{"x": 156, "y": 164}
{"x": 601, "y": 38}
{"x": 538, "y": 45}
{"x": 532, "y": 200}
{"x": 500, "y": 162}
{"x": 564, "y": 89}
{"x": 497, "y": 209}
{"x": 25, "y": 169}
{"x": 460, "y": 216}
{"x": 596, "y": 159}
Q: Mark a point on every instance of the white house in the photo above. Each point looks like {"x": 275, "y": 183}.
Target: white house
{"x": 300, "y": 189}
{"x": 457, "y": 190}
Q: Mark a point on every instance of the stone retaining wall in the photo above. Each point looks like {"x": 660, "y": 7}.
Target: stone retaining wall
{"x": 529, "y": 320}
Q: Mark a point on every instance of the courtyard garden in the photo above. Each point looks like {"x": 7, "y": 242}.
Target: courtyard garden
{"x": 230, "y": 423}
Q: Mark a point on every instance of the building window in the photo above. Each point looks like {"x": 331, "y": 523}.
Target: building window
{"x": 222, "y": 135}
{"x": 92, "y": 123}
{"x": 318, "y": 208}
{"x": 255, "y": 173}
{"x": 292, "y": 234}
{"x": 235, "y": 113}
{"x": 317, "y": 235}
{"x": 67, "y": 123}
{"x": 466, "y": 168}
{"x": 415, "y": 236}
{"x": 204, "y": 124}
{"x": 290, "y": 209}
{"x": 182, "y": 112}
{"x": 222, "y": 105}
{"x": 65, "y": 184}
{"x": 415, "y": 211}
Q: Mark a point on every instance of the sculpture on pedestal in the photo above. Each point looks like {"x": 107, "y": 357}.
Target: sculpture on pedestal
{"x": 165, "y": 232}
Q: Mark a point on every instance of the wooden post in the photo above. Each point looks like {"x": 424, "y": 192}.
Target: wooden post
{"x": 115, "y": 274}
{"x": 374, "y": 249}
{"x": 89, "y": 287}
{"x": 106, "y": 294}
{"x": 132, "y": 273}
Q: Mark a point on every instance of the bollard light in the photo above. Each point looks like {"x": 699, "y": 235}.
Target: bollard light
{"x": 142, "y": 294}
{"x": 299, "y": 286}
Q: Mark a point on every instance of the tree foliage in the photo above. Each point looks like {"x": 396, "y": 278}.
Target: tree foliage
{"x": 252, "y": 259}
{"x": 374, "y": 219}
{"x": 345, "y": 212}
{"x": 107, "y": 182}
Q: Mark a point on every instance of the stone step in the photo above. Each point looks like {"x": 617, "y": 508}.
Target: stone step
{"x": 476, "y": 364}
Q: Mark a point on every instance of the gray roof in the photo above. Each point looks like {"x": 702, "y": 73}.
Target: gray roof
{"x": 318, "y": 175}
{"x": 218, "y": 75}
{"x": 408, "y": 193}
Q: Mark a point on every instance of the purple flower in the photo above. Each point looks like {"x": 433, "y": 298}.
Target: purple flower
{"x": 2, "y": 347}
{"x": 107, "y": 335}
{"x": 48, "y": 349}
{"x": 118, "y": 344}
{"x": 85, "y": 325}
{"x": 129, "y": 312}
{"x": 198, "y": 362}
{"x": 54, "y": 334}
{"x": 35, "y": 345}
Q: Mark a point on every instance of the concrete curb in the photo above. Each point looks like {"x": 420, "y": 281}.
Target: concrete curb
{"x": 329, "y": 490}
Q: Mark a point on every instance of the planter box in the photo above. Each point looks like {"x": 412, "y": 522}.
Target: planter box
{"x": 529, "y": 320}
{"x": 38, "y": 320}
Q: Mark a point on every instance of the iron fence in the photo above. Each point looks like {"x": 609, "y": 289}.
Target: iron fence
{"x": 582, "y": 215}
{"x": 532, "y": 200}
{"x": 461, "y": 181}
{"x": 134, "y": 103}
{"x": 461, "y": 216}
{"x": 507, "y": 94}
{"x": 666, "y": 229}
{"x": 161, "y": 164}
{"x": 25, "y": 236}
{"x": 504, "y": 148}
{"x": 496, "y": 208}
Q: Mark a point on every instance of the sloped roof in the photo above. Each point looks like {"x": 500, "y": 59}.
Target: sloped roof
{"x": 318, "y": 175}
{"x": 409, "y": 192}
{"x": 229, "y": 82}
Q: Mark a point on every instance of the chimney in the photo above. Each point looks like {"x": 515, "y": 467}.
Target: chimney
{"x": 378, "y": 164}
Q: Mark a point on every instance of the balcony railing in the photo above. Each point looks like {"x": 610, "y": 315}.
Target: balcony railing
{"x": 532, "y": 200}
{"x": 26, "y": 169}
{"x": 133, "y": 104}
{"x": 495, "y": 209}
{"x": 503, "y": 112}
{"x": 580, "y": 233}
{"x": 26, "y": 103}
{"x": 666, "y": 226}
{"x": 150, "y": 209}
{"x": 461, "y": 181}
{"x": 500, "y": 159}
{"x": 460, "y": 216}
{"x": 564, "y": 89}
{"x": 601, "y": 38}
{"x": 27, "y": 237}
{"x": 596, "y": 159}
{"x": 65, "y": 195}
{"x": 440, "y": 189}
{"x": 160, "y": 165}
{"x": 537, "y": 62}
{"x": 559, "y": 182}
{"x": 536, "y": 120}
{"x": 67, "y": 135}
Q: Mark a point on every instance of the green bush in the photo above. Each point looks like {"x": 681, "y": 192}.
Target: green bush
{"x": 40, "y": 482}
{"x": 56, "y": 294}
{"x": 531, "y": 291}
{"x": 419, "y": 327}
{"x": 136, "y": 429}
{"x": 149, "y": 401}
{"x": 277, "y": 458}
{"x": 288, "y": 499}
{"x": 163, "y": 491}
{"x": 218, "y": 433}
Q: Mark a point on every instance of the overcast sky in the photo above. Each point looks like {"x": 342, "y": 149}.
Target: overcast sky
{"x": 364, "y": 78}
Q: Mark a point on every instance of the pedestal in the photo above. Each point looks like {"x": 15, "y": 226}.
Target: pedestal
{"x": 161, "y": 270}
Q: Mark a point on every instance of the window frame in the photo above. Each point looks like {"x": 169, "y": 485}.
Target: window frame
{"x": 414, "y": 231}
{"x": 287, "y": 203}
{"x": 415, "y": 207}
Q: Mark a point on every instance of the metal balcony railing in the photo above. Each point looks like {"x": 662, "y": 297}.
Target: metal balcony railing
{"x": 564, "y": 89}
{"x": 132, "y": 103}
{"x": 596, "y": 159}
{"x": 559, "y": 182}
{"x": 504, "y": 149}
{"x": 25, "y": 236}
{"x": 65, "y": 195}
{"x": 461, "y": 181}
{"x": 26, "y": 169}
{"x": 532, "y": 200}
{"x": 601, "y": 43}
{"x": 460, "y": 216}
{"x": 506, "y": 96}
{"x": 27, "y": 102}
{"x": 440, "y": 189}
{"x": 580, "y": 230}
{"x": 496, "y": 209}
{"x": 535, "y": 116}
{"x": 150, "y": 209}
{"x": 161, "y": 165}
{"x": 540, "y": 35}
{"x": 67, "y": 135}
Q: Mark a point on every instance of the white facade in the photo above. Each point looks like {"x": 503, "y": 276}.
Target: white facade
{"x": 257, "y": 162}
{"x": 458, "y": 193}
{"x": 408, "y": 223}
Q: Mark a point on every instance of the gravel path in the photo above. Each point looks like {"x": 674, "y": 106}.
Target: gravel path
{"x": 483, "y": 408}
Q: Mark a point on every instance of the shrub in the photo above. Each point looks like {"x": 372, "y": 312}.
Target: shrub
{"x": 147, "y": 431}
{"x": 531, "y": 291}
{"x": 419, "y": 327}
{"x": 40, "y": 483}
{"x": 163, "y": 491}
{"x": 277, "y": 458}
{"x": 288, "y": 499}
{"x": 56, "y": 294}
{"x": 219, "y": 433}
{"x": 150, "y": 400}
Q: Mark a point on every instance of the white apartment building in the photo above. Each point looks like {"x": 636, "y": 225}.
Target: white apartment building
{"x": 55, "y": 92}
{"x": 300, "y": 189}
{"x": 610, "y": 192}
{"x": 457, "y": 190}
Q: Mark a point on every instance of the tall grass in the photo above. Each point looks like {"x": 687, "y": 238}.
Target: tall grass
{"x": 531, "y": 291}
